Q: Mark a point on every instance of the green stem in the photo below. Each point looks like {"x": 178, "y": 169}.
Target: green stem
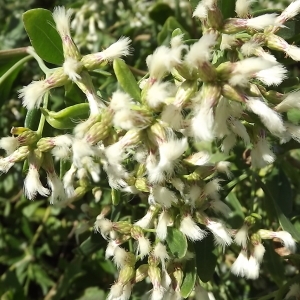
{"x": 14, "y": 67}
{"x": 40, "y": 62}
{"x": 234, "y": 182}
{"x": 149, "y": 230}
{"x": 12, "y": 53}
{"x": 43, "y": 118}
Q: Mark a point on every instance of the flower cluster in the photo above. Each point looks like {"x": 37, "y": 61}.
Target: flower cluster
{"x": 144, "y": 143}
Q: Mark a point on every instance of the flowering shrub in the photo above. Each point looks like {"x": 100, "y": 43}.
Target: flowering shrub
{"x": 166, "y": 148}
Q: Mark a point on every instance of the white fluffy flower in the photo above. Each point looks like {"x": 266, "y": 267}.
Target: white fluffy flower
{"x": 293, "y": 52}
{"x": 271, "y": 119}
{"x": 290, "y": 12}
{"x": 33, "y": 185}
{"x": 201, "y": 51}
{"x": 117, "y": 49}
{"x": 240, "y": 266}
{"x": 160, "y": 252}
{"x": 104, "y": 226}
{"x": 287, "y": 240}
{"x": 62, "y": 18}
{"x": 202, "y": 124}
{"x": 241, "y": 236}
{"x": 160, "y": 62}
{"x": 242, "y": 7}
{"x": 120, "y": 100}
{"x": 164, "y": 196}
{"x": 261, "y": 155}
{"x": 9, "y": 144}
{"x": 252, "y": 268}
{"x": 145, "y": 221}
{"x": 169, "y": 152}
{"x": 220, "y": 232}
{"x": 72, "y": 67}
{"x": 212, "y": 188}
{"x": 144, "y": 246}
{"x": 228, "y": 41}
{"x": 258, "y": 252}
{"x": 247, "y": 68}
{"x": 220, "y": 207}
{"x": 272, "y": 76}
{"x": 119, "y": 257}
{"x": 158, "y": 93}
{"x": 228, "y": 143}
{"x": 33, "y": 93}
{"x": 162, "y": 225}
{"x": 57, "y": 188}
{"x": 191, "y": 229}
{"x": 171, "y": 114}
{"x": 239, "y": 129}
{"x": 290, "y": 101}
{"x": 261, "y": 22}
{"x": 116, "y": 291}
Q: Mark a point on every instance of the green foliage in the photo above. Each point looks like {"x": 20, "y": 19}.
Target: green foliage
{"x": 176, "y": 242}
{"x": 126, "y": 79}
{"x": 40, "y": 28}
{"x": 206, "y": 259}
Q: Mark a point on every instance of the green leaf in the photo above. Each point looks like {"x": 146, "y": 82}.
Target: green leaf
{"x": 206, "y": 259}
{"x": 189, "y": 278}
{"x": 90, "y": 245}
{"x": 42, "y": 278}
{"x": 281, "y": 190}
{"x": 176, "y": 242}
{"x": 92, "y": 293}
{"x": 294, "y": 115}
{"x": 165, "y": 34}
{"x": 126, "y": 79}
{"x": 273, "y": 209}
{"x": 237, "y": 217}
{"x": 288, "y": 31}
{"x": 274, "y": 265}
{"x": 29, "y": 210}
{"x": 6, "y": 85}
{"x": 227, "y": 8}
{"x": 72, "y": 272}
{"x": 40, "y": 27}
{"x": 32, "y": 119}
{"x": 194, "y": 4}
{"x": 160, "y": 12}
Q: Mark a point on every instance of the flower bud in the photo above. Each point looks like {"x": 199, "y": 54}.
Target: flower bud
{"x": 141, "y": 272}
{"x": 233, "y": 93}
{"x": 127, "y": 273}
{"x": 122, "y": 227}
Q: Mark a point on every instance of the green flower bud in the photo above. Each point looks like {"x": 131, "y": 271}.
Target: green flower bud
{"x": 141, "y": 272}
{"x": 142, "y": 185}
{"x": 126, "y": 274}
{"x": 26, "y": 137}
{"x": 122, "y": 227}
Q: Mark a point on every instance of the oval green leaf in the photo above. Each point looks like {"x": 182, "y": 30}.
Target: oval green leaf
{"x": 189, "y": 278}
{"x": 176, "y": 242}
{"x": 166, "y": 32}
{"x": 126, "y": 79}
{"x": 32, "y": 119}
{"x": 274, "y": 265}
{"x": 40, "y": 27}
{"x": 206, "y": 259}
